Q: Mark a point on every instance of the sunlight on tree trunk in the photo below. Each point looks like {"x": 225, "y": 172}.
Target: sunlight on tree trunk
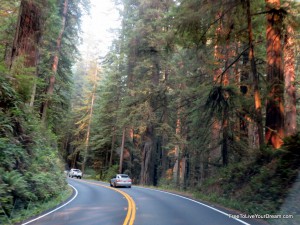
{"x": 257, "y": 98}
{"x": 52, "y": 79}
{"x": 290, "y": 86}
{"x": 87, "y": 139}
{"x": 274, "y": 107}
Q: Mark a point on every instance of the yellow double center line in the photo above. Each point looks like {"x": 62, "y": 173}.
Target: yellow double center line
{"x": 130, "y": 217}
{"x": 131, "y": 211}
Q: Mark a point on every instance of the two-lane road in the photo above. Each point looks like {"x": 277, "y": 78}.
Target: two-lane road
{"x": 97, "y": 203}
{"x": 93, "y": 205}
{"x": 160, "y": 208}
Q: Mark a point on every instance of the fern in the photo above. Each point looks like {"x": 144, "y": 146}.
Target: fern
{"x": 17, "y": 185}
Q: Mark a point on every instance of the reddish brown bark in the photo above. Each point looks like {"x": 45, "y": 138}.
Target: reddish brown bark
{"x": 27, "y": 34}
{"x": 52, "y": 79}
{"x": 147, "y": 157}
{"x": 274, "y": 106}
{"x": 27, "y": 38}
{"x": 257, "y": 99}
{"x": 290, "y": 88}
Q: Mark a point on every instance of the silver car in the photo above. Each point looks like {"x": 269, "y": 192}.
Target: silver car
{"x": 121, "y": 180}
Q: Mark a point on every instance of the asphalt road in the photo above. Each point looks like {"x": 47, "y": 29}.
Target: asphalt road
{"x": 97, "y": 203}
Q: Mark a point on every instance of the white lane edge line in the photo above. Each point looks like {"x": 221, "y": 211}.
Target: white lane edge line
{"x": 76, "y": 193}
{"x": 200, "y": 203}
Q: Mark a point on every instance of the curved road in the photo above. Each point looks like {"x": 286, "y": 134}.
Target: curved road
{"x": 97, "y": 203}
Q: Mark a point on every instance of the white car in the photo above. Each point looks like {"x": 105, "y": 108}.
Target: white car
{"x": 75, "y": 173}
{"x": 121, "y": 180}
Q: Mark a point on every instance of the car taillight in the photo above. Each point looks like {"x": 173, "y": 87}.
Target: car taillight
{"x": 118, "y": 180}
{"x": 129, "y": 180}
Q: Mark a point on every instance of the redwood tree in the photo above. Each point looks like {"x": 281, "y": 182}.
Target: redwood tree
{"x": 257, "y": 98}
{"x": 274, "y": 105}
{"x": 52, "y": 79}
{"x": 28, "y": 33}
{"x": 290, "y": 87}
{"x": 27, "y": 38}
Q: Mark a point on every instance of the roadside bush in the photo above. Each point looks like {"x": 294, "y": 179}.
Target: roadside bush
{"x": 11, "y": 155}
{"x": 30, "y": 169}
{"x": 43, "y": 186}
{"x": 260, "y": 185}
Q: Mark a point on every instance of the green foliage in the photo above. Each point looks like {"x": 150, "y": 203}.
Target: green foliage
{"x": 221, "y": 99}
{"x": 36, "y": 208}
{"x": 17, "y": 186}
{"x": 30, "y": 165}
{"x": 8, "y": 95}
{"x": 290, "y": 156}
{"x": 110, "y": 173}
{"x": 260, "y": 185}
{"x": 11, "y": 155}
{"x": 44, "y": 186}
{"x": 30, "y": 170}
{"x": 164, "y": 81}
{"x": 24, "y": 78}
{"x": 8, "y": 13}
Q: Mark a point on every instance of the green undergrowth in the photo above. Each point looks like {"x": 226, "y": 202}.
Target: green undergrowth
{"x": 261, "y": 185}
{"x": 36, "y": 208}
{"x": 269, "y": 183}
{"x": 30, "y": 166}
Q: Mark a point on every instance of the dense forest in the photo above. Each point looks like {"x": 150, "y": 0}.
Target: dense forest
{"x": 197, "y": 95}
{"x": 38, "y": 48}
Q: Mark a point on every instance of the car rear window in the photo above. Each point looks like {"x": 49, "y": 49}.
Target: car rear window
{"x": 124, "y": 176}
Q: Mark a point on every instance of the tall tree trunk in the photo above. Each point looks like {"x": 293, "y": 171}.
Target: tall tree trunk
{"x": 113, "y": 140}
{"x": 28, "y": 33}
{"x": 147, "y": 158}
{"x": 149, "y": 148}
{"x": 122, "y": 151}
{"x": 225, "y": 121}
{"x": 225, "y": 139}
{"x": 27, "y": 38}
{"x": 183, "y": 173}
{"x": 215, "y": 148}
{"x": 52, "y": 79}
{"x": 164, "y": 139}
{"x": 257, "y": 99}
{"x": 290, "y": 88}
{"x": 87, "y": 139}
{"x": 176, "y": 168}
{"x": 274, "y": 105}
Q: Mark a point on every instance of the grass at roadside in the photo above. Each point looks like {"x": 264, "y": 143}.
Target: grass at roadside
{"x": 35, "y": 209}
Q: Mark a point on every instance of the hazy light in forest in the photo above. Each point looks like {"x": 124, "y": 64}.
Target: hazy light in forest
{"x": 98, "y": 27}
